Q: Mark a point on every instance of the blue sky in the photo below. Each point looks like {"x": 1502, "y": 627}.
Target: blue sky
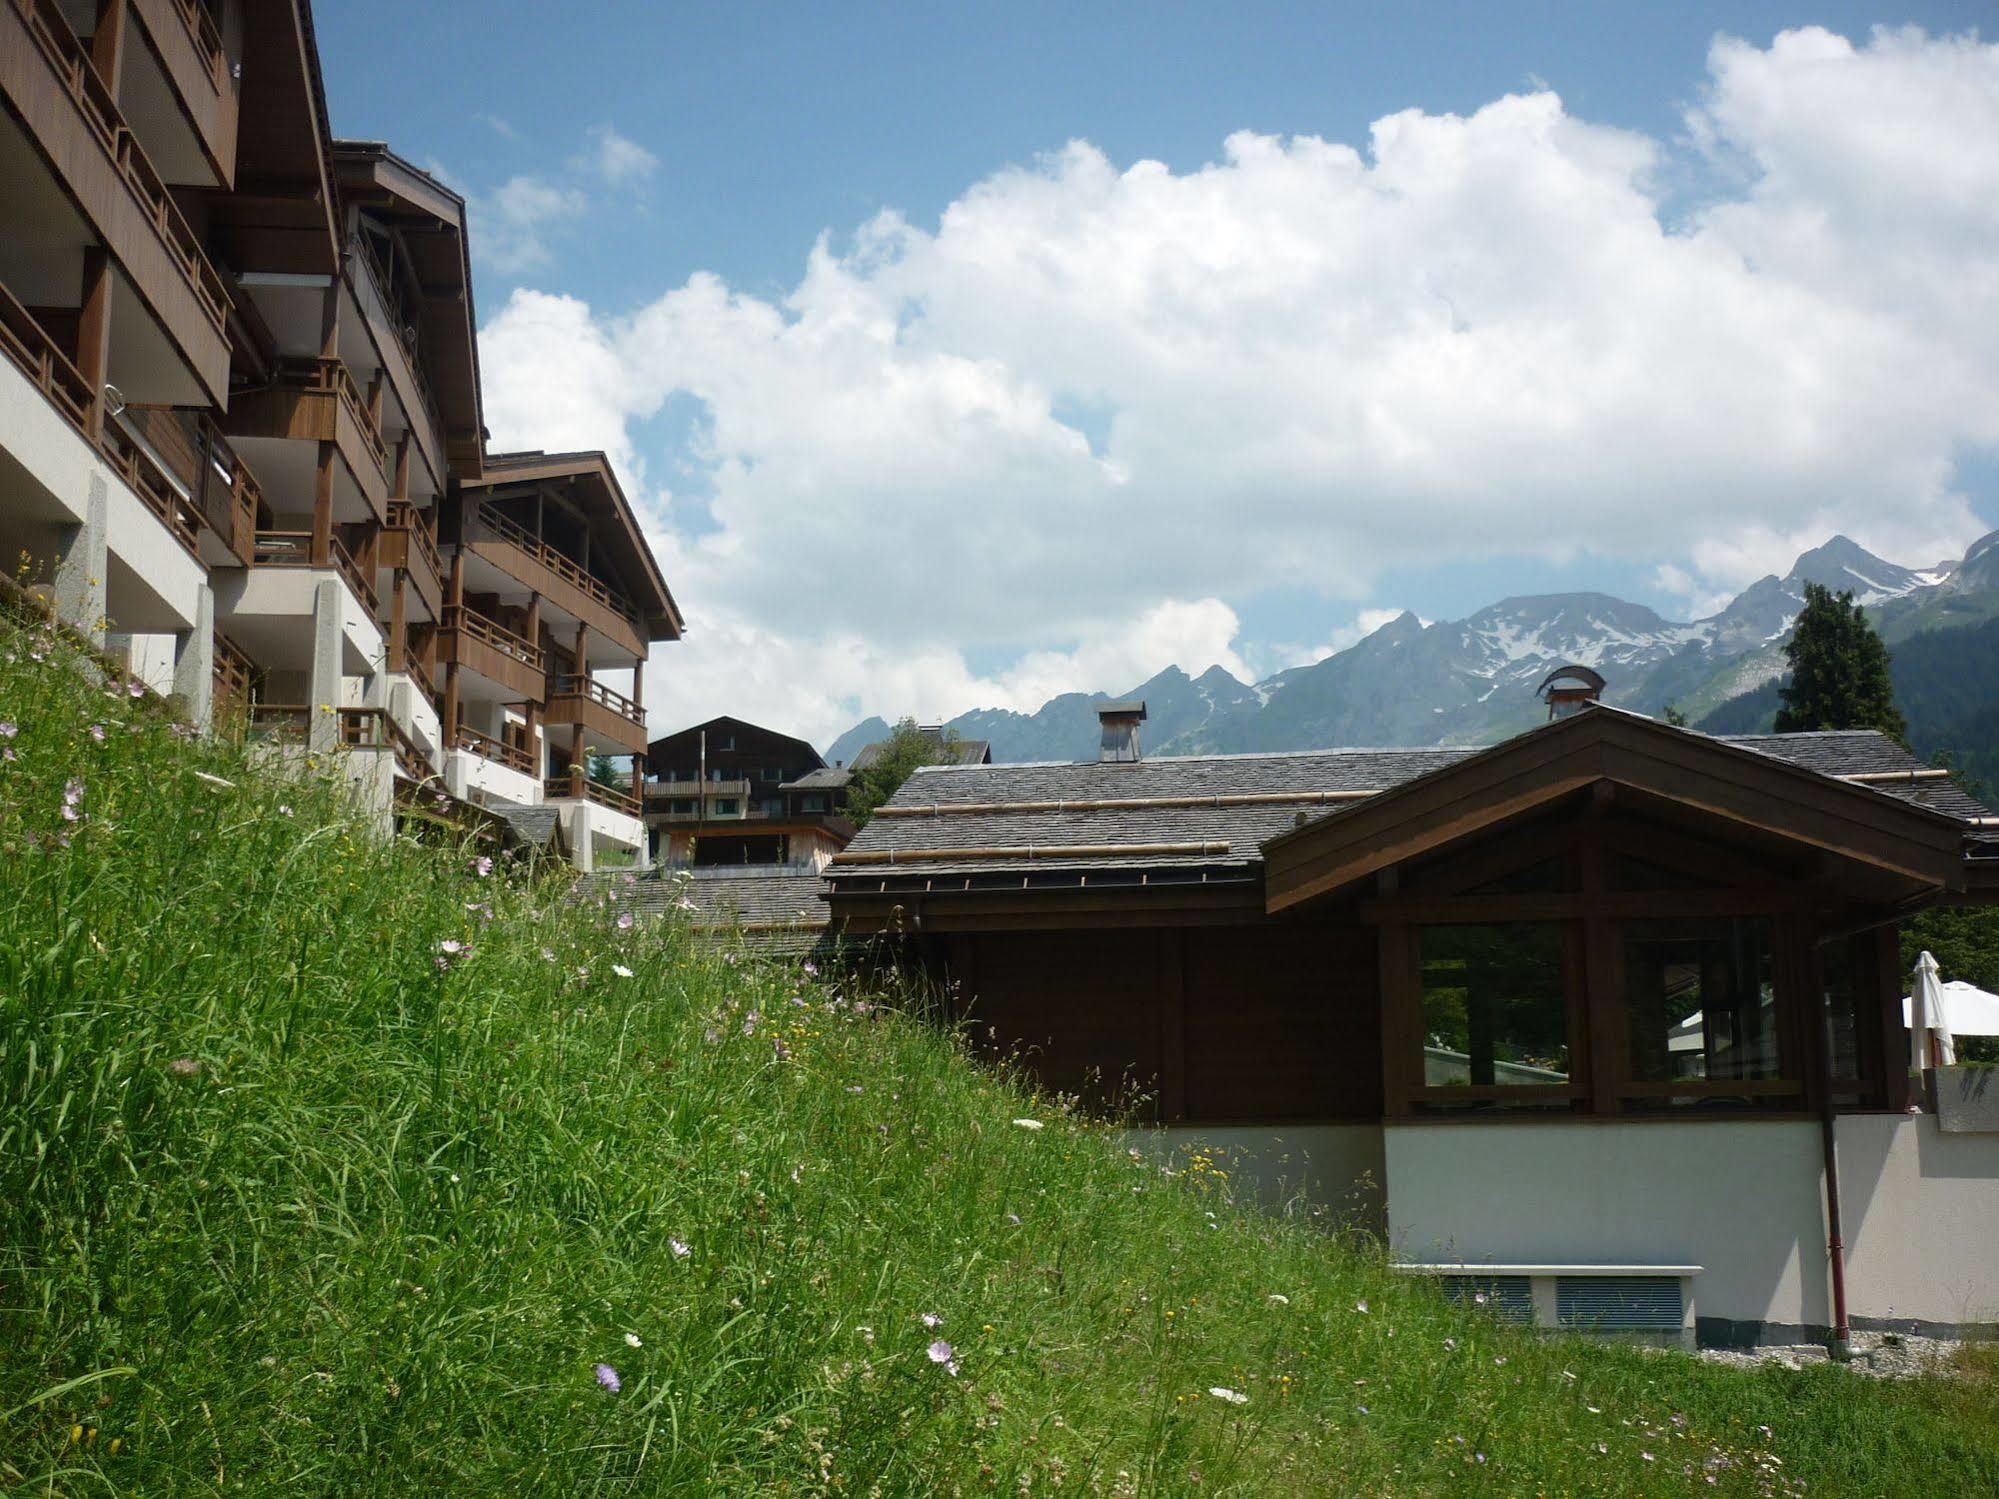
{"x": 760, "y": 128}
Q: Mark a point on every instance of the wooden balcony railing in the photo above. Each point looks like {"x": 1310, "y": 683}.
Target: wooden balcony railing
{"x": 235, "y": 676}
{"x": 194, "y": 450}
{"x": 331, "y": 377}
{"x": 294, "y": 549}
{"x": 491, "y": 633}
{"x": 279, "y": 720}
{"x": 569, "y": 685}
{"x": 512, "y": 756}
{"x": 377, "y": 729}
{"x": 58, "y": 43}
{"x": 207, "y": 40}
{"x": 566, "y": 568}
{"x": 405, "y": 517}
{"x": 151, "y": 483}
{"x": 403, "y": 321}
{"x": 576, "y": 786}
{"x": 35, "y": 354}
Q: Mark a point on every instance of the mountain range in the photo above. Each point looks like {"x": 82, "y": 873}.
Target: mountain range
{"x": 1471, "y": 681}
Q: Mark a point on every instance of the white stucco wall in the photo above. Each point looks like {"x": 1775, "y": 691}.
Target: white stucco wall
{"x": 1921, "y": 1212}
{"x": 466, "y": 774}
{"x": 1744, "y": 1199}
{"x": 160, "y": 578}
{"x": 1740, "y": 1198}
{"x": 287, "y": 593}
{"x": 1333, "y": 1170}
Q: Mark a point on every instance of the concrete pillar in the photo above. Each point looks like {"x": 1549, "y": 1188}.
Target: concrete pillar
{"x": 324, "y": 685}
{"x": 83, "y": 566}
{"x": 581, "y": 843}
{"x": 194, "y": 662}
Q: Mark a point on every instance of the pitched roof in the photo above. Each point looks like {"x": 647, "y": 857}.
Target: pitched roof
{"x": 774, "y": 908}
{"x": 534, "y": 826}
{"x": 1017, "y": 829}
{"x": 826, "y": 778}
{"x": 960, "y": 751}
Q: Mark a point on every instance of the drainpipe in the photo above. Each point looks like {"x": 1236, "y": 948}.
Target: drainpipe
{"x": 1841, "y": 1347}
{"x": 1842, "y": 1333}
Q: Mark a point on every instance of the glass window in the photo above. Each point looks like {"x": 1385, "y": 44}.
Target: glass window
{"x": 812, "y": 801}
{"x": 1841, "y": 1009}
{"x": 725, "y": 806}
{"x": 1495, "y": 1005}
{"x": 682, "y": 805}
{"x": 1699, "y": 1001}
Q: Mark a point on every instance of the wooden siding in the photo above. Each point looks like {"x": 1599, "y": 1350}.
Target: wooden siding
{"x": 107, "y": 176}
{"x": 183, "y": 37}
{"x": 1206, "y": 1025}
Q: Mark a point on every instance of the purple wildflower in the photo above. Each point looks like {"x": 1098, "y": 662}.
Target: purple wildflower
{"x": 97, "y": 732}
{"x": 931, "y": 1319}
{"x": 136, "y": 688}
{"x": 750, "y": 1023}
{"x": 8, "y": 728}
{"x": 608, "y": 1378}
{"x": 811, "y": 969}
{"x": 941, "y": 1352}
{"x": 482, "y": 866}
{"x": 625, "y": 921}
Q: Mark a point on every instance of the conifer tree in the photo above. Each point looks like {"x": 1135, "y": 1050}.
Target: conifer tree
{"x": 1839, "y": 670}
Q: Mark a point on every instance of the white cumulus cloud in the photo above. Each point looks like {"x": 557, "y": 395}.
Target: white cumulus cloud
{"x": 1096, "y": 407}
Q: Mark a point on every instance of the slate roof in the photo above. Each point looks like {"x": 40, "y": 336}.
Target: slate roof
{"x": 999, "y": 833}
{"x": 775, "y": 907}
{"x": 963, "y": 751}
{"x": 826, "y": 778}
{"x": 534, "y": 826}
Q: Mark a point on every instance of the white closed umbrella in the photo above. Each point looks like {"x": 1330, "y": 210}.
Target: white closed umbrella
{"x": 1926, "y": 1020}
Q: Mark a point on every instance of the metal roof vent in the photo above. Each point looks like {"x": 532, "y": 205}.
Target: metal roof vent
{"x": 1569, "y": 689}
{"x": 1120, "y": 718}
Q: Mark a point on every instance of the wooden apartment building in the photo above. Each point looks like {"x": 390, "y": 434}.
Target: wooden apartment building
{"x": 241, "y": 437}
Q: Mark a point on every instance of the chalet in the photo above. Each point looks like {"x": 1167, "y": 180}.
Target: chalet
{"x": 242, "y": 444}
{"x": 1595, "y": 1017}
{"x": 730, "y": 792}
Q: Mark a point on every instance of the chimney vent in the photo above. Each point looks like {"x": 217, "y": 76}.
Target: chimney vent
{"x": 1569, "y": 689}
{"x": 1120, "y": 718}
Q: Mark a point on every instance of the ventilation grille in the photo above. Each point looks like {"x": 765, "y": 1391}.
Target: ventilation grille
{"x": 1507, "y": 1297}
{"x": 1620, "y": 1302}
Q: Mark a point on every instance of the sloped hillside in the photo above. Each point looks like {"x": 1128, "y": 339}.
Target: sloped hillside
{"x": 336, "y": 1165}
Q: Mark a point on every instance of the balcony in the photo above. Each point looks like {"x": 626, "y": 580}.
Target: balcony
{"x": 218, "y": 484}
{"x": 407, "y": 543}
{"x": 317, "y": 400}
{"x": 475, "y": 643}
{"x": 610, "y": 721}
{"x": 576, "y": 786}
{"x": 559, "y": 579}
{"x": 512, "y": 756}
{"x": 184, "y": 38}
{"x": 375, "y": 729}
{"x": 235, "y": 678}
{"x": 392, "y": 325}
{"x": 294, "y": 549}
{"x": 31, "y": 350}
{"x": 47, "y": 77}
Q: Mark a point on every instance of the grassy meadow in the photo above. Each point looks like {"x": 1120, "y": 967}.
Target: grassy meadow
{"x": 334, "y": 1164}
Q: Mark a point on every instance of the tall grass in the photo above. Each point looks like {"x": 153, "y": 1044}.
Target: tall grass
{"x": 297, "y": 1195}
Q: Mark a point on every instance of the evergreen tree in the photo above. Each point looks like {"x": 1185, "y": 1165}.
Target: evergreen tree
{"x": 895, "y": 760}
{"x": 1839, "y": 670}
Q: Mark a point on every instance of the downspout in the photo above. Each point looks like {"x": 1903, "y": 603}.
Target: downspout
{"x": 1841, "y": 1346}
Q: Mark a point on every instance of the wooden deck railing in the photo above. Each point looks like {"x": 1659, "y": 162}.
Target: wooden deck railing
{"x": 492, "y": 633}
{"x": 281, "y": 720}
{"x": 207, "y": 40}
{"x": 576, "y": 786}
{"x": 566, "y": 568}
{"x": 66, "y": 54}
{"x": 403, "y": 321}
{"x": 294, "y": 549}
{"x": 512, "y": 756}
{"x": 331, "y": 377}
{"x": 377, "y": 729}
{"x": 151, "y": 483}
{"x": 405, "y": 517}
{"x": 234, "y": 673}
{"x": 194, "y": 450}
{"x": 36, "y": 355}
{"x": 570, "y": 685}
